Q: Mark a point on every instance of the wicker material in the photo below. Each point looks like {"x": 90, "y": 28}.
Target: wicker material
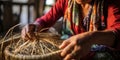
{"x": 9, "y": 55}
{"x": 50, "y": 56}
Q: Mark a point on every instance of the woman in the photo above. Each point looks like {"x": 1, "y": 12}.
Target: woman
{"x": 86, "y": 22}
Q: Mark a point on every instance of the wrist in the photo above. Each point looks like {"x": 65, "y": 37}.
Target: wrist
{"x": 38, "y": 26}
{"x": 36, "y": 23}
{"x": 103, "y": 37}
{"x": 86, "y": 38}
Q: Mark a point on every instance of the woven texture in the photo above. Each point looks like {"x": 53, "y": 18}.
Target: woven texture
{"x": 44, "y": 48}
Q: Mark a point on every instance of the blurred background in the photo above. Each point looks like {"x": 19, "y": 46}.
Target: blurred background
{"x": 13, "y": 12}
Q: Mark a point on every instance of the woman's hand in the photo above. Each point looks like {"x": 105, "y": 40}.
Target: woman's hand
{"x": 28, "y": 31}
{"x": 79, "y": 45}
{"x": 76, "y": 46}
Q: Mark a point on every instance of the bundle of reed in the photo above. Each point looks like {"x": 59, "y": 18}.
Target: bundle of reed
{"x": 45, "y": 47}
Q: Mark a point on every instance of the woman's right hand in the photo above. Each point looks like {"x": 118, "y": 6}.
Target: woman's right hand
{"x": 28, "y": 31}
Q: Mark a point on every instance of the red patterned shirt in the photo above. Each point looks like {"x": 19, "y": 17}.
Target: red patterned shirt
{"x": 112, "y": 16}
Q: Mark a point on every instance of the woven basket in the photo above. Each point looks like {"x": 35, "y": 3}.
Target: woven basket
{"x": 3, "y": 45}
{"x": 49, "y": 56}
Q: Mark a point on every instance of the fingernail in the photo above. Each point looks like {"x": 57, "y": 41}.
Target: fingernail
{"x": 60, "y": 46}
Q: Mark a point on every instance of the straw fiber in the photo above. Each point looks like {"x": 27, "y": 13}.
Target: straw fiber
{"x": 44, "y": 47}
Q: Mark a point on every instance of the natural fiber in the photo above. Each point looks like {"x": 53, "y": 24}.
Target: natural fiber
{"x": 44, "y": 48}
{"x": 6, "y": 40}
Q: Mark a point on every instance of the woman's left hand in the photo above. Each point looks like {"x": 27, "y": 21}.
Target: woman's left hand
{"x": 76, "y": 46}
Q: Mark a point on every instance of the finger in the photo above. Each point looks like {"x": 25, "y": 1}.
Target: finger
{"x": 28, "y": 32}
{"x": 31, "y": 28}
{"x": 23, "y": 33}
{"x": 68, "y": 57}
{"x": 64, "y": 44}
{"x": 67, "y": 49}
{"x": 26, "y": 35}
{"x": 74, "y": 54}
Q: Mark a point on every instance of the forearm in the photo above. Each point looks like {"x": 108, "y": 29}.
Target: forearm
{"x": 105, "y": 37}
{"x": 50, "y": 18}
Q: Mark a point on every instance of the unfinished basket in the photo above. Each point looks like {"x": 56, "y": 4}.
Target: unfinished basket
{"x": 45, "y": 47}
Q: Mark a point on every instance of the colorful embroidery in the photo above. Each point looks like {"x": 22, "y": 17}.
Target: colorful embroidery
{"x": 74, "y": 22}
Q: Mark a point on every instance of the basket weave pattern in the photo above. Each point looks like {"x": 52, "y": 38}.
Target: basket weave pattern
{"x": 44, "y": 48}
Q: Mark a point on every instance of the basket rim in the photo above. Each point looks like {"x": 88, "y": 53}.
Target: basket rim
{"x": 6, "y": 51}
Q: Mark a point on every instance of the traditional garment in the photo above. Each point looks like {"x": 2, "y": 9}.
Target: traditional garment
{"x": 97, "y": 19}
{"x": 111, "y": 18}
{"x": 75, "y": 23}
